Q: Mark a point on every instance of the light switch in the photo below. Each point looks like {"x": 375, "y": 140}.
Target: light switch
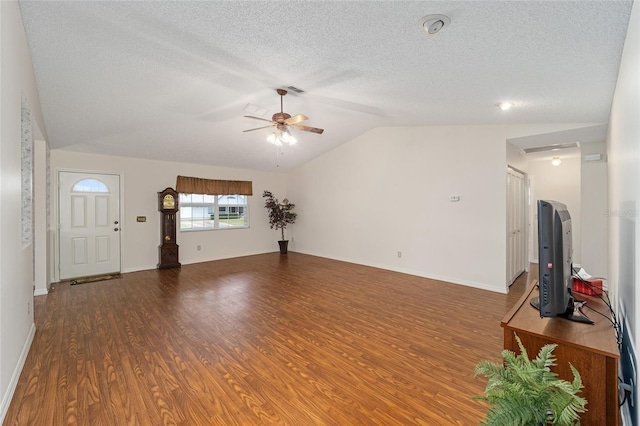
{"x": 454, "y": 198}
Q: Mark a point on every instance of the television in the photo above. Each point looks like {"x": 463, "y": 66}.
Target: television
{"x": 555, "y": 264}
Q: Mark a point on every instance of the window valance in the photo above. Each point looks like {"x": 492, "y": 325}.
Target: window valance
{"x": 193, "y": 185}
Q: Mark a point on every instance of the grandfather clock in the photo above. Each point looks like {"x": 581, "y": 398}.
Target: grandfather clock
{"x": 168, "y": 207}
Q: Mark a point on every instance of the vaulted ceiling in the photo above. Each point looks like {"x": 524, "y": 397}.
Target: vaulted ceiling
{"x": 174, "y": 80}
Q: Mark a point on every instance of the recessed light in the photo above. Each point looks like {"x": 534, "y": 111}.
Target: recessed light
{"x": 504, "y": 106}
{"x": 433, "y": 24}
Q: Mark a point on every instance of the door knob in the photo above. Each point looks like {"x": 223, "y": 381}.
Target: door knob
{"x": 116, "y": 229}
{"x": 115, "y": 222}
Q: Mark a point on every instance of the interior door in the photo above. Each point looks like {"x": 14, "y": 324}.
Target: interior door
{"x": 89, "y": 224}
{"x": 516, "y": 235}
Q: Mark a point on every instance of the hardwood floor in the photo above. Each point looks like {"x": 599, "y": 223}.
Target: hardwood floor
{"x": 260, "y": 340}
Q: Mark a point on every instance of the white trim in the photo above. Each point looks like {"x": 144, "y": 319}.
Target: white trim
{"x": 8, "y": 396}
{"x": 194, "y": 261}
{"x": 41, "y": 292}
{"x": 449, "y": 280}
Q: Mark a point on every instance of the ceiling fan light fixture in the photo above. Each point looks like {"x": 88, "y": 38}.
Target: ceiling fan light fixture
{"x": 273, "y": 139}
{"x": 280, "y": 138}
{"x": 288, "y": 138}
{"x": 282, "y": 121}
{"x": 433, "y": 24}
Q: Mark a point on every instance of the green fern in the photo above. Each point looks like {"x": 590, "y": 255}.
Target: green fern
{"x": 525, "y": 392}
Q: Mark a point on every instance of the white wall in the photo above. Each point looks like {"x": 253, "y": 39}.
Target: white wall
{"x": 559, "y": 183}
{"x": 16, "y": 258}
{"x": 141, "y": 182}
{"x": 516, "y": 159}
{"x": 623, "y": 151}
{"x": 388, "y": 191}
{"x": 593, "y": 198}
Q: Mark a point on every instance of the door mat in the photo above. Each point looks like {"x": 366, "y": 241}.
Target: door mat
{"x": 95, "y": 279}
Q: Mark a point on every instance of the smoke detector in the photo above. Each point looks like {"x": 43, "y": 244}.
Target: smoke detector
{"x": 433, "y": 24}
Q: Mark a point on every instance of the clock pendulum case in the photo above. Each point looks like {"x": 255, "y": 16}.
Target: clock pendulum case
{"x": 168, "y": 207}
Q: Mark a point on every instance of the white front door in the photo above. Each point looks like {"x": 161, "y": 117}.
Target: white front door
{"x": 89, "y": 224}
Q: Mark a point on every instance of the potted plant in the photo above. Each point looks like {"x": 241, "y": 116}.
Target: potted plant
{"x": 280, "y": 215}
{"x": 526, "y": 392}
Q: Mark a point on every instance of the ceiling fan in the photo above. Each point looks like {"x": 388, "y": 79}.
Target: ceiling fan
{"x": 282, "y": 121}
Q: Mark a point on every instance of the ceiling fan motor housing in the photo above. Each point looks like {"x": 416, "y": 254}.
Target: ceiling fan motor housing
{"x": 279, "y": 117}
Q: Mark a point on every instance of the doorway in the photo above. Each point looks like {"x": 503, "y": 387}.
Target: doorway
{"x": 89, "y": 218}
{"x": 516, "y": 225}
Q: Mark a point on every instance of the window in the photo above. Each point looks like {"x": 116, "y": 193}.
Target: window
{"x": 200, "y": 212}
{"x": 90, "y": 185}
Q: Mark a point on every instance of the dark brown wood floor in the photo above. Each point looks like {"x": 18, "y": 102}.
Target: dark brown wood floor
{"x": 260, "y": 340}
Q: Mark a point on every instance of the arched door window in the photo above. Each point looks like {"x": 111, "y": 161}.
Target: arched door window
{"x": 90, "y": 185}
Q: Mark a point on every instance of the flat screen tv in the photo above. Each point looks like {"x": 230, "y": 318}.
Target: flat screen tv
{"x": 555, "y": 264}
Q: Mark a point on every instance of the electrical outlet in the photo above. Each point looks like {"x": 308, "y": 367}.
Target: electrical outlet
{"x": 399, "y": 254}
{"x": 28, "y": 308}
{"x": 198, "y": 247}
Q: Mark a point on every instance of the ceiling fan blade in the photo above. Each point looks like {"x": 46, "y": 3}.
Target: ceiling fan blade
{"x": 258, "y": 118}
{"x": 258, "y": 128}
{"x": 307, "y": 128}
{"x": 296, "y": 119}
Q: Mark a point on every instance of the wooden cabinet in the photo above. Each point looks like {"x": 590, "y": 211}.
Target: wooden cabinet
{"x": 592, "y": 349}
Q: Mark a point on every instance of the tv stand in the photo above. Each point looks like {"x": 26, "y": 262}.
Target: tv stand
{"x": 574, "y": 314}
{"x": 592, "y": 350}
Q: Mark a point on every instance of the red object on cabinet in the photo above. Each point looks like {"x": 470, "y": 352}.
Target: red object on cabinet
{"x": 588, "y": 287}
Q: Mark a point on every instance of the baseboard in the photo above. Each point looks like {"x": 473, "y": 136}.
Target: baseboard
{"x": 407, "y": 271}
{"x": 194, "y": 261}
{"x": 6, "y": 399}
{"x": 40, "y": 292}
{"x": 478, "y": 285}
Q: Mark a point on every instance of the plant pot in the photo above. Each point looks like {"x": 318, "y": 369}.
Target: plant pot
{"x": 283, "y": 246}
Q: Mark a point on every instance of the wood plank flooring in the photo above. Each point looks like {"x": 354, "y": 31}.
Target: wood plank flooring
{"x": 260, "y": 340}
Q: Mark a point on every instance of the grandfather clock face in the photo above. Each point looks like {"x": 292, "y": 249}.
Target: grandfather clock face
{"x": 168, "y": 202}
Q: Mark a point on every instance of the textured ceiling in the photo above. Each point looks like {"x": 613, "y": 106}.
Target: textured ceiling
{"x": 170, "y": 80}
